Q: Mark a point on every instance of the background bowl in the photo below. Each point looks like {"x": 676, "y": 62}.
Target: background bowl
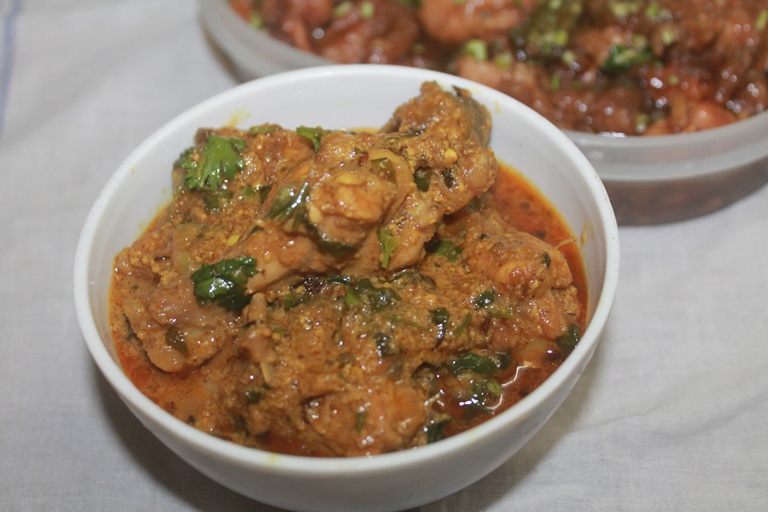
{"x": 348, "y": 97}
{"x": 650, "y": 180}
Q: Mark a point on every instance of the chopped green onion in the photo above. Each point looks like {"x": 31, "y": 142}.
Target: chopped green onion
{"x": 762, "y": 20}
{"x": 342, "y": 9}
{"x": 622, "y": 57}
{"x": 476, "y": 48}
{"x": 555, "y": 83}
{"x": 367, "y": 10}
{"x": 668, "y": 36}
{"x": 256, "y": 22}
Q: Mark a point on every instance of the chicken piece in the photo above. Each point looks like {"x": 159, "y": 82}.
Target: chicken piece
{"x": 453, "y": 23}
{"x": 522, "y": 269}
{"x": 369, "y": 202}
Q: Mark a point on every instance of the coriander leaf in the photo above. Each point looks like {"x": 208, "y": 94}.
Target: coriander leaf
{"x": 388, "y": 243}
{"x": 363, "y": 292}
{"x": 486, "y": 299}
{"x": 209, "y": 166}
{"x": 289, "y": 201}
{"x": 315, "y": 135}
{"x": 224, "y": 282}
{"x": 325, "y": 244}
{"x": 569, "y": 339}
{"x": 470, "y": 361}
{"x": 443, "y": 248}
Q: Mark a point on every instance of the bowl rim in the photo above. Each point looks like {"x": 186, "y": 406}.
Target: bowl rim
{"x": 310, "y": 466}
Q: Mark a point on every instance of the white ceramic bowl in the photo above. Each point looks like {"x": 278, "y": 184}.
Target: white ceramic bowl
{"x": 651, "y": 180}
{"x": 344, "y": 97}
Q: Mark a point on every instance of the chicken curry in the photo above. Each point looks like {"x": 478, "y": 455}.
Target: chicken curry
{"x": 338, "y": 293}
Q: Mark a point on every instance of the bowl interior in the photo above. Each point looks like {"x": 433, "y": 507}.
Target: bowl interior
{"x": 339, "y": 97}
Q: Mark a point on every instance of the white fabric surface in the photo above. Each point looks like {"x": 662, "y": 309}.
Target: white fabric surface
{"x": 670, "y": 415}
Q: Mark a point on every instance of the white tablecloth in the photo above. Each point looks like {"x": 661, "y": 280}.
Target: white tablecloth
{"x": 671, "y": 414}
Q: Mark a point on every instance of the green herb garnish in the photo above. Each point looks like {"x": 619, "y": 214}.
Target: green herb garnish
{"x": 622, "y": 57}
{"x": 388, "y": 243}
{"x": 289, "y": 200}
{"x": 224, "y": 282}
{"x": 476, "y": 48}
{"x": 471, "y": 361}
{"x": 569, "y": 339}
{"x": 485, "y": 299}
{"x": 485, "y": 302}
{"x": 364, "y": 292}
{"x": 421, "y": 178}
{"x": 434, "y": 430}
{"x": 264, "y": 129}
{"x": 443, "y": 248}
{"x": 208, "y": 167}
{"x": 463, "y": 325}
{"x": 315, "y": 135}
